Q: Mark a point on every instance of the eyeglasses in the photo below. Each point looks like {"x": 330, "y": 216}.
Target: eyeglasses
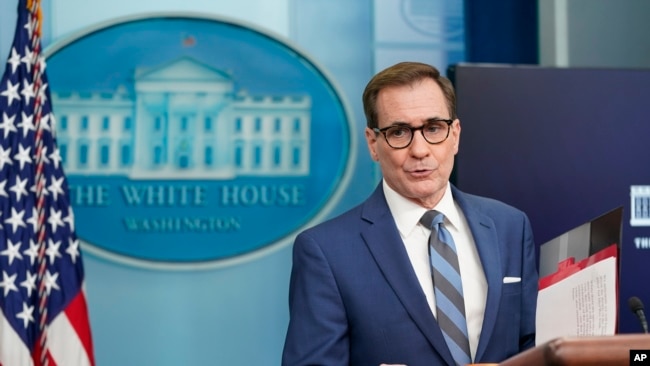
{"x": 400, "y": 136}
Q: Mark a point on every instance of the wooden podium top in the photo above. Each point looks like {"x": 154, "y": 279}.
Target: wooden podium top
{"x": 569, "y": 351}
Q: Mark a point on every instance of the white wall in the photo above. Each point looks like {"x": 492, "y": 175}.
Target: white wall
{"x": 595, "y": 33}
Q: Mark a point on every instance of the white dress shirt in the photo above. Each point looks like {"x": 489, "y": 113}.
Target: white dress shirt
{"x": 407, "y": 216}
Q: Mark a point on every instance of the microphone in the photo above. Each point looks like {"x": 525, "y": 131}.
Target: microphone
{"x": 636, "y": 306}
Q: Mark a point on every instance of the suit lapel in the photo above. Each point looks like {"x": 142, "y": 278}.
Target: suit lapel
{"x": 485, "y": 237}
{"x": 385, "y": 244}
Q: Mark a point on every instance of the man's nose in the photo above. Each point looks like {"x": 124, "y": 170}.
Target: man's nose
{"x": 419, "y": 145}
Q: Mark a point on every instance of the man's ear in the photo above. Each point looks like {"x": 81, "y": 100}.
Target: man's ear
{"x": 371, "y": 140}
{"x": 457, "y": 134}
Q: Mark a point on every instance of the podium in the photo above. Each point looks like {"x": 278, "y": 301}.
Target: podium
{"x": 583, "y": 351}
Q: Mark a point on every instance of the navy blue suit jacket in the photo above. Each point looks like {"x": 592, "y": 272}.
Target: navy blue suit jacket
{"x": 355, "y": 299}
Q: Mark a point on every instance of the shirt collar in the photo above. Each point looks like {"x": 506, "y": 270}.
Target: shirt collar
{"x": 407, "y": 214}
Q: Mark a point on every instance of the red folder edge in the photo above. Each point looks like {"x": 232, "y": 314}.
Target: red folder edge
{"x": 567, "y": 267}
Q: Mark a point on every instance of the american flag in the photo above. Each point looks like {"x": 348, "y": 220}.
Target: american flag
{"x": 44, "y": 316}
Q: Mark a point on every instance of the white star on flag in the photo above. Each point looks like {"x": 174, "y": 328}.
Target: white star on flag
{"x": 52, "y": 250}
{"x": 27, "y": 91}
{"x": 14, "y": 60}
{"x": 8, "y": 283}
{"x": 26, "y": 124}
{"x": 12, "y": 252}
{"x": 7, "y": 124}
{"x": 55, "y": 187}
{"x": 11, "y": 92}
{"x": 32, "y": 252}
{"x": 23, "y": 156}
{"x": 16, "y": 219}
{"x": 26, "y": 315}
{"x": 29, "y": 283}
{"x": 19, "y": 188}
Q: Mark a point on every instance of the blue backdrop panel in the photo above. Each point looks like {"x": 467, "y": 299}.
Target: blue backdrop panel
{"x": 564, "y": 145}
{"x": 503, "y": 31}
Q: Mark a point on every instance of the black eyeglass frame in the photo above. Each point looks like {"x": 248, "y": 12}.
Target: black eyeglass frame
{"x": 413, "y": 129}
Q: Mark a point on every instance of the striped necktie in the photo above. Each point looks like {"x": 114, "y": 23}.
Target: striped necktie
{"x": 447, "y": 287}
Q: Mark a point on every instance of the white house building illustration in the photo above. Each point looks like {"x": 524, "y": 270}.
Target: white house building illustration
{"x": 183, "y": 120}
{"x": 640, "y": 205}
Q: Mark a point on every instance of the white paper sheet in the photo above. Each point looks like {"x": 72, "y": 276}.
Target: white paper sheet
{"x": 583, "y": 304}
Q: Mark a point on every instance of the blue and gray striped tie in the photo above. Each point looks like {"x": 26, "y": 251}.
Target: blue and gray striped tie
{"x": 447, "y": 287}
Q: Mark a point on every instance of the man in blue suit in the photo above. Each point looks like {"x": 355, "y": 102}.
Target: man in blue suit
{"x": 362, "y": 289}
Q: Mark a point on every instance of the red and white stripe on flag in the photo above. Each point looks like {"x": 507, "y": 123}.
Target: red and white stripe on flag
{"x": 43, "y": 310}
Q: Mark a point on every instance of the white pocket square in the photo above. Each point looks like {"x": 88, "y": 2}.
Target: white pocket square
{"x": 511, "y": 279}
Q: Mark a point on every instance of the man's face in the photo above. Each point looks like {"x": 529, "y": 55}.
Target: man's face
{"x": 419, "y": 172}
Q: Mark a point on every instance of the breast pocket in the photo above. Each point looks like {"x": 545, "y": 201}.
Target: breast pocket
{"x": 512, "y": 288}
